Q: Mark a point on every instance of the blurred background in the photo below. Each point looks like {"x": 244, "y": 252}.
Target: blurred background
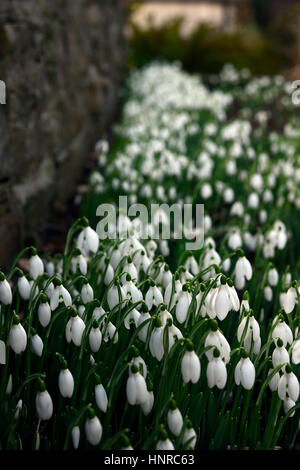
{"x": 64, "y": 64}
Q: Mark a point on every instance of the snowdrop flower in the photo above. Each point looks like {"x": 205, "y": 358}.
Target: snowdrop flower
{"x": 75, "y": 436}
{"x": 280, "y": 355}
{"x": 244, "y": 373}
{"x": 136, "y": 389}
{"x": 249, "y": 327}
{"x": 87, "y": 293}
{"x": 100, "y": 395}
{"x": 268, "y": 293}
{"x": 43, "y": 403}
{"x": 88, "y": 240}
{"x": 216, "y": 372}
{"x": 282, "y": 331}
{"x": 156, "y": 345}
{"x": 235, "y": 240}
{"x": 37, "y": 345}
{"x": 111, "y": 333}
{"x": 172, "y": 291}
{"x": 115, "y": 295}
{"x": 288, "y": 403}
{"x": 242, "y": 271}
{"x": 174, "y": 419}
{"x": 164, "y": 442}
{"x": 44, "y": 311}
{"x": 131, "y": 291}
{"x": 288, "y": 385}
{"x": 190, "y": 365}
{"x": 60, "y": 295}
{"x": 148, "y": 404}
{"x": 288, "y": 300}
{"x": 79, "y": 263}
{"x": 65, "y": 380}
{"x": 5, "y": 291}
{"x": 132, "y": 317}
{"x": 76, "y": 328}
{"x": 296, "y": 352}
{"x": 17, "y": 336}
{"x": 184, "y": 299}
{"x": 273, "y": 277}
{"x": 273, "y": 382}
{"x": 23, "y": 286}
{"x": 95, "y": 337}
{"x": 144, "y": 317}
{"x": 216, "y": 339}
{"x": 93, "y": 428}
{"x": 192, "y": 265}
{"x": 222, "y": 299}
{"x": 153, "y": 296}
{"x": 190, "y": 437}
{"x": 36, "y": 266}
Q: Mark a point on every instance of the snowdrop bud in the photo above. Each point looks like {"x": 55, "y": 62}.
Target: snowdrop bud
{"x": 164, "y": 442}
{"x": 280, "y": 355}
{"x": 101, "y": 397}
{"x": 65, "y": 379}
{"x": 184, "y": 299}
{"x": 268, "y": 293}
{"x": 190, "y": 365}
{"x": 189, "y": 437}
{"x": 244, "y": 373}
{"x": 17, "y": 336}
{"x": 174, "y": 418}
{"x": 273, "y": 277}
{"x": 95, "y": 337}
{"x": 87, "y": 293}
{"x": 93, "y": 429}
{"x": 5, "y": 291}
{"x": 23, "y": 286}
{"x": 216, "y": 372}
{"x": 37, "y": 345}
{"x": 77, "y": 327}
{"x": 75, "y": 436}
{"x": 36, "y": 266}
{"x": 43, "y": 403}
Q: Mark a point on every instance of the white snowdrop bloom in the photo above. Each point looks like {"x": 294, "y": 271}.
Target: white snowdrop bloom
{"x": 23, "y": 287}
{"x": 79, "y": 262}
{"x": 216, "y": 372}
{"x": 17, "y": 337}
{"x": 253, "y": 201}
{"x": 288, "y": 403}
{"x": 87, "y": 293}
{"x": 88, "y": 241}
{"x": 77, "y": 327}
{"x": 174, "y": 334}
{"x": 37, "y": 345}
{"x": 136, "y": 389}
{"x": 44, "y": 312}
{"x": 237, "y": 209}
{"x": 66, "y": 383}
{"x": 242, "y": 271}
{"x": 296, "y": 352}
{"x": 60, "y": 295}
{"x": 132, "y": 317}
{"x": 111, "y": 333}
{"x": 115, "y": 258}
{"x": 273, "y": 383}
{"x": 95, "y": 338}
{"x": 282, "y": 331}
{"x": 153, "y": 296}
{"x": 192, "y": 265}
{"x": 273, "y": 277}
{"x": 267, "y": 196}
{"x": 129, "y": 268}
{"x": 211, "y": 257}
{"x": 190, "y": 366}
{"x": 280, "y": 355}
{"x": 257, "y": 182}
{"x": 50, "y": 268}
{"x": 263, "y": 215}
{"x": 165, "y": 444}
{"x": 172, "y": 292}
{"x": 156, "y": 340}
{"x": 81, "y": 310}
{"x": 115, "y": 296}
{"x": 216, "y": 339}
{"x": 268, "y": 293}
{"x": 101, "y": 397}
{"x": 93, "y": 430}
{"x": 174, "y": 419}
{"x": 288, "y": 300}
{"x": 148, "y": 405}
{"x": 189, "y": 437}
{"x": 151, "y": 247}
{"x": 228, "y": 195}
{"x": 206, "y": 191}
{"x": 164, "y": 248}
{"x": 5, "y": 291}
{"x": 235, "y": 240}
{"x": 142, "y": 334}
{"x": 244, "y": 373}
{"x": 226, "y": 264}
{"x": 221, "y": 300}
{"x": 250, "y": 241}
{"x": 36, "y": 266}
{"x": 98, "y": 313}
{"x": 75, "y": 436}
{"x": 184, "y": 299}
{"x": 131, "y": 291}
{"x": 288, "y": 385}
{"x": 109, "y": 274}
{"x": 139, "y": 362}
{"x": 44, "y": 405}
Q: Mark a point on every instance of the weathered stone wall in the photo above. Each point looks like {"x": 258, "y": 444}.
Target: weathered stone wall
{"x": 62, "y": 62}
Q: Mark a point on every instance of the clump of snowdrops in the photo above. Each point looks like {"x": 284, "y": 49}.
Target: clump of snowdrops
{"x": 126, "y": 343}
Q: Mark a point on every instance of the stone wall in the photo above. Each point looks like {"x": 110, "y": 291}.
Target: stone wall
{"x": 62, "y": 62}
